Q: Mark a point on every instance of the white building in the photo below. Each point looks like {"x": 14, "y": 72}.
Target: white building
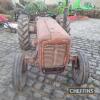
{"x": 97, "y": 3}
{"x": 52, "y": 2}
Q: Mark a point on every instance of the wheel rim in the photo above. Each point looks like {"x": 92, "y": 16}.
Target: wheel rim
{"x": 76, "y": 68}
{"x": 80, "y": 69}
{"x": 23, "y": 77}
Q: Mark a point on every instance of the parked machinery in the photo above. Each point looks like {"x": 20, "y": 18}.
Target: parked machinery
{"x": 52, "y": 54}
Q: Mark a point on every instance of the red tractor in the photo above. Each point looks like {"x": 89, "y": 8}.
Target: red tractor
{"x": 52, "y": 54}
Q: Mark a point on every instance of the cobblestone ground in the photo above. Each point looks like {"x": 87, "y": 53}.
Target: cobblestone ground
{"x": 86, "y": 29}
{"x": 85, "y": 36}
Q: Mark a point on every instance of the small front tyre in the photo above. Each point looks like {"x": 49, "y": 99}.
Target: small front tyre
{"x": 19, "y": 73}
{"x": 80, "y": 69}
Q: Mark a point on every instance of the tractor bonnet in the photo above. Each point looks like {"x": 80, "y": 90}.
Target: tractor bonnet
{"x": 53, "y": 44}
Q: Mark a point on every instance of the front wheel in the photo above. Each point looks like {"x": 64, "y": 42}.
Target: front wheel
{"x": 80, "y": 69}
{"x": 19, "y": 73}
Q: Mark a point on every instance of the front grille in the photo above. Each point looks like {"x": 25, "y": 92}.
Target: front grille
{"x": 54, "y": 55}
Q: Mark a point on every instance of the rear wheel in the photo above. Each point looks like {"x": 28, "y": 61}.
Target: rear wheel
{"x": 19, "y": 73}
{"x": 66, "y": 27}
{"x": 23, "y": 32}
{"x": 80, "y": 69}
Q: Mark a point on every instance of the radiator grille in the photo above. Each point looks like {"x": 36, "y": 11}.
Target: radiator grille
{"x": 54, "y": 55}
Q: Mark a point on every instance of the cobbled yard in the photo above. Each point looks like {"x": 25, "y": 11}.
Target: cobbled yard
{"x": 85, "y": 37}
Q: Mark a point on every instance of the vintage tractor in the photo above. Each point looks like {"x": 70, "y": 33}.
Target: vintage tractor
{"x": 52, "y": 54}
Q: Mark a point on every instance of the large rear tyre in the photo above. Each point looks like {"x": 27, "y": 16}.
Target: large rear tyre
{"x": 66, "y": 27}
{"x": 80, "y": 69}
{"x": 23, "y": 32}
{"x": 19, "y": 73}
